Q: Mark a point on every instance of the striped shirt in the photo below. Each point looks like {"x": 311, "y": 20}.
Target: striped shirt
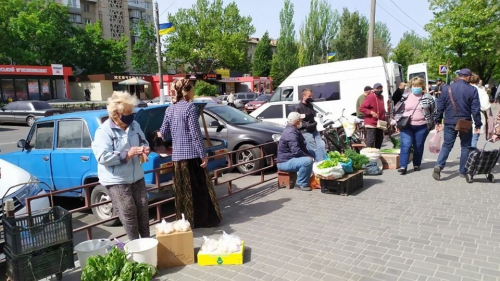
{"x": 427, "y": 105}
{"x": 181, "y": 123}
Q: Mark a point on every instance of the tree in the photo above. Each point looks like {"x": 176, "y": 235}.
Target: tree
{"x": 467, "y": 31}
{"x": 263, "y": 57}
{"x": 352, "y": 40}
{"x": 285, "y": 59}
{"x": 410, "y": 50}
{"x": 382, "y": 40}
{"x": 202, "y": 88}
{"x": 210, "y": 36}
{"x": 144, "y": 49}
{"x": 316, "y": 33}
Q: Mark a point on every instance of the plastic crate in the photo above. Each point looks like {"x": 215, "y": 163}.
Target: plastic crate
{"x": 342, "y": 186}
{"x": 40, "y": 264}
{"x": 31, "y": 233}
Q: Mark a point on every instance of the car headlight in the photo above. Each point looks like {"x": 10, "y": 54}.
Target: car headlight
{"x": 276, "y": 137}
{"x": 31, "y": 188}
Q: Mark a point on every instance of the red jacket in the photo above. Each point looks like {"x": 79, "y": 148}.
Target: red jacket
{"x": 369, "y": 105}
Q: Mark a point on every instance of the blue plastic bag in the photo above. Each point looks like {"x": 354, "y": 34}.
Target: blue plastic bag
{"x": 347, "y": 167}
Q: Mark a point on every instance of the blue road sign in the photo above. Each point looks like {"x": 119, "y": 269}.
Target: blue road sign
{"x": 443, "y": 69}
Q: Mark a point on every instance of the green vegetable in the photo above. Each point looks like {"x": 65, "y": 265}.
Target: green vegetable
{"x": 328, "y": 164}
{"x": 336, "y": 156}
{"x": 389, "y": 150}
{"x": 115, "y": 267}
{"x": 396, "y": 142}
{"x": 358, "y": 160}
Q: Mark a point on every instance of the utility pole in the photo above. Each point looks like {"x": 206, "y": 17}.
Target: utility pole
{"x": 158, "y": 52}
{"x": 371, "y": 32}
{"x": 447, "y": 70}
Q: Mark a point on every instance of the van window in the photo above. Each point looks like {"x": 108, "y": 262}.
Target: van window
{"x": 418, "y": 74}
{"x": 250, "y": 96}
{"x": 282, "y": 95}
{"x": 323, "y": 91}
{"x": 272, "y": 112}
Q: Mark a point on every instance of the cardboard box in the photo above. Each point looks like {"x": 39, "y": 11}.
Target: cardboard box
{"x": 176, "y": 249}
{"x": 221, "y": 259}
{"x": 390, "y": 161}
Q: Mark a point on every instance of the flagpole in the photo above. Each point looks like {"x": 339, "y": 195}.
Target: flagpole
{"x": 158, "y": 51}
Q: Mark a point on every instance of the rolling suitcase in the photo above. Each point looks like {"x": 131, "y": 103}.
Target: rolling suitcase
{"x": 481, "y": 161}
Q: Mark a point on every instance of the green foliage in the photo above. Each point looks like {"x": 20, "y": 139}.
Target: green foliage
{"x": 382, "y": 41}
{"x": 285, "y": 59}
{"x": 410, "y": 50}
{"x": 358, "y": 160}
{"x": 210, "y": 36}
{"x": 263, "y": 57}
{"x": 144, "y": 49}
{"x": 466, "y": 32}
{"x": 202, "y": 88}
{"x": 352, "y": 40}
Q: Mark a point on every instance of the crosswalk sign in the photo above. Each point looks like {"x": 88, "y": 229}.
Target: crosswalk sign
{"x": 443, "y": 69}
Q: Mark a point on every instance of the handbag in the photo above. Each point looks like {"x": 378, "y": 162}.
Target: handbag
{"x": 405, "y": 121}
{"x": 462, "y": 126}
{"x": 490, "y": 123}
{"x": 381, "y": 124}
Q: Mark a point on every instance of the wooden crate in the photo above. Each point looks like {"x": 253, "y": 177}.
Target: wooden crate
{"x": 390, "y": 161}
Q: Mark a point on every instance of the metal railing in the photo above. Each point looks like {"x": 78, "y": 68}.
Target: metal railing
{"x": 163, "y": 186}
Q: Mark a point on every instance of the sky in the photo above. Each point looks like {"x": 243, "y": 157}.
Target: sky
{"x": 265, "y": 13}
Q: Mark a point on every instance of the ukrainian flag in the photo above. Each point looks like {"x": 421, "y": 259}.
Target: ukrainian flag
{"x": 331, "y": 55}
{"x": 166, "y": 28}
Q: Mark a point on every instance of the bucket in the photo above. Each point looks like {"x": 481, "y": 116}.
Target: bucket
{"x": 143, "y": 250}
{"x": 90, "y": 248}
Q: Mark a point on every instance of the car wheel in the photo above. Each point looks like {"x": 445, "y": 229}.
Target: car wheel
{"x": 248, "y": 155}
{"x": 30, "y": 121}
{"x": 106, "y": 211}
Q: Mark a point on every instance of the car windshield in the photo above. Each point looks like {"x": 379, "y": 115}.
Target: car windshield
{"x": 262, "y": 97}
{"x": 41, "y": 105}
{"x": 232, "y": 115}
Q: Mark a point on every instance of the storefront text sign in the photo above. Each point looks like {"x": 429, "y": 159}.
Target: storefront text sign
{"x": 7, "y": 69}
{"x": 122, "y": 77}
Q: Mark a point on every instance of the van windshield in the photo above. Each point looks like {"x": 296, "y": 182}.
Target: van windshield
{"x": 418, "y": 74}
{"x": 281, "y": 94}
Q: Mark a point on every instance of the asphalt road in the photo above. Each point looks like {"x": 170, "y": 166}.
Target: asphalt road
{"x": 10, "y": 135}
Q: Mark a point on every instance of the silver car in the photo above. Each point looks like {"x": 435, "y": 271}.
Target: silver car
{"x": 26, "y": 112}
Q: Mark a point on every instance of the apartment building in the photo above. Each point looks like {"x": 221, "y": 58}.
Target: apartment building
{"x": 118, "y": 17}
{"x": 252, "y": 44}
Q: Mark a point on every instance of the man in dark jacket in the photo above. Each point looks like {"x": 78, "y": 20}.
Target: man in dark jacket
{"x": 466, "y": 104}
{"x": 398, "y": 94}
{"x": 309, "y": 131}
{"x": 293, "y": 155}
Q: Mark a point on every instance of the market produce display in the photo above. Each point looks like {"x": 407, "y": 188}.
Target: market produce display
{"x": 181, "y": 225}
{"x": 358, "y": 160}
{"x": 390, "y": 150}
{"x": 225, "y": 245}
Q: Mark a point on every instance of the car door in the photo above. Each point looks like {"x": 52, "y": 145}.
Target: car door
{"x": 22, "y": 111}
{"x": 212, "y": 130}
{"x": 273, "y": 114}
{"x": 7, "y": 112}
{"x": 37, "y": 158}
{"x": 72, "y": 156}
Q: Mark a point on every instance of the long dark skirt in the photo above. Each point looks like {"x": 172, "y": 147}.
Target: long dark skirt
{"x": 195, "y": 195}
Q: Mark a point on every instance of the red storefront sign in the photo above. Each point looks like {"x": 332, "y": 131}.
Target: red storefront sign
{"x": 53, "y": 70}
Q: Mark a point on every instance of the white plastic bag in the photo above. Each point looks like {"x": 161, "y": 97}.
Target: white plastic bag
{"x": 182, "y": 225}
{"x": 165, "y": 228}
{"x": 229, "y": 243}
{"x": 209, "y": 245}
{"x": 372, "y": 153}
{"x": 329, "y": 173}
{"x": 435, "y": 143}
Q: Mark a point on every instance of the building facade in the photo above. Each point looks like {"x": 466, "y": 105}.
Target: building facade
{"x": 117, "y": 17}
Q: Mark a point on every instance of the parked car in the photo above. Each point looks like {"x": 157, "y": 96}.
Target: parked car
{"x": 58, "y": 151}
{"x": 155, "y": 101}
{"x": 207, "y": 100}
{"x": 240, "y": 99}
{"x": 62, "y": 100}
{"x": 26, "y": 112}
{"x": 260, "y": 100}
{"x": 241, "y": 131}
{"x": 277, "y": 112}
{"x": 223, "y": 99}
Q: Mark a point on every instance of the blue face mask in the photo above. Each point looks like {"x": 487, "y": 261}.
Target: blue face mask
{"x": 416, "y": 91}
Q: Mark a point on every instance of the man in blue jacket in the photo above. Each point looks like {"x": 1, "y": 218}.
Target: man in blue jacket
{"x": 467, "y": 104}
{"x": 293, "y": 155}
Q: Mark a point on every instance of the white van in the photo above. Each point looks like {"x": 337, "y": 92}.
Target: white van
{"x": 338, "y": 85}
{"x": 418, "y": 70}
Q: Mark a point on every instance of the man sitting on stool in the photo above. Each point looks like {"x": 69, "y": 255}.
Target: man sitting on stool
{"x": 293, "y": 155}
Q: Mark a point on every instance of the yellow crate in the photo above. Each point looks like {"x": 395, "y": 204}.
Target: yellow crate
{"x": 205, "y": 259}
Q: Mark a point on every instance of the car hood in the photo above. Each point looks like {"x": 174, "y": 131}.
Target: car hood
{"x": 256, "y": 102}
{"x": 11, "y": 175}
{"x": 262, "y": 127}
{"x": 151, "y": 118}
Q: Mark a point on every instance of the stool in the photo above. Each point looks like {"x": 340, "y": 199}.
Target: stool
{"x": 286, "y": 179}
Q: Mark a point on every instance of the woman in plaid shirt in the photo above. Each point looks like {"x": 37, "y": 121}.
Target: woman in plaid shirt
{"x": 194, "y": 191}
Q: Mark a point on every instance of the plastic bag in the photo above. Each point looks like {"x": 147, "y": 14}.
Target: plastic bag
{"x": 328, "y": 173}
{"x": 435, "y": 143}
{"x": 372, "y": 169}
{"x": 229, "y": 243}
{"x": 209, "y": 245}
{"x": 314, "y": 182}
{"x": 372, "y": 153}
{"x": 119, "y": 244}
{"x": 347, "y": 167}
{"x": 182, "y": 225}
{"x": 165, "y": 228}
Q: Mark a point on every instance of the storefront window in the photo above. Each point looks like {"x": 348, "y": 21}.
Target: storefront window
{"x": 45, "y": 85}
{"x": 119, "y": 87}
{"x": 21, "y": 91}
{"x": 8, "y": 89}
{"x": 33, "y": 89}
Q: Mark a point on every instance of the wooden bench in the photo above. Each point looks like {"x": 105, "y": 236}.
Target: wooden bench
{"x": 286, "y": 179}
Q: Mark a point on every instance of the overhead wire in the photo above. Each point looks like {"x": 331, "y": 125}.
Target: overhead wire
{"x": 168, "y": 7}
{"x": 407, "y": 15}
{"x": 394, "y": 17}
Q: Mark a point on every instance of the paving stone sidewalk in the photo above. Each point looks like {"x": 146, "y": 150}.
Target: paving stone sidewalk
{"x": 395, "y": 228}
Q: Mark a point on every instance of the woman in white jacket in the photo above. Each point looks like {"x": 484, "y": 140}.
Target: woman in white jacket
{"x": 484, "y": 100}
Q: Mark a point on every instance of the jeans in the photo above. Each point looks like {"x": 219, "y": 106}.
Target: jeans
{"x": 302, "y": 166}
{"x": 316, "y": 144}
{"x": 475, "y": 139}
{"x": 450, "y": 135}
{"x": 374, "y": 137}
{"x": 412, "y": 136}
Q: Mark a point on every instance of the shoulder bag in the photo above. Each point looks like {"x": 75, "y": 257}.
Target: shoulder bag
{"x": 462, "y": 126}
{"x": 405, "y": 121}
{"x": 381, "y": 124}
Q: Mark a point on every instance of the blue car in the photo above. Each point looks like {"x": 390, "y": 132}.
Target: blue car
{"x": 58, "y": 152}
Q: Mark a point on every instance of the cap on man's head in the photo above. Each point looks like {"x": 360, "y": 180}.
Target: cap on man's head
{"x": 377, "y": 85}
{"x": 465, "y": 72}
{"x": 368, "y": 88}
{"x": 439, "y": 80}
{"x": 295, "y": 116}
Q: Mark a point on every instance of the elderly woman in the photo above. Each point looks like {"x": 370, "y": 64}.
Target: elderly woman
{"x": 194, "y": 192}
{"x": 414, "y": 116}
{"x": 119, "y": 147}
{"x": 484, "y": 101}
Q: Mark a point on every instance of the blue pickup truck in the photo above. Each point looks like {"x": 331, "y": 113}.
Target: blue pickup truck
{"x": 58, "y": 152}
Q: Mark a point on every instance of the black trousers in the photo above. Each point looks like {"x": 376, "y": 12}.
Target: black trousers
{"x": 374, "y": 137}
